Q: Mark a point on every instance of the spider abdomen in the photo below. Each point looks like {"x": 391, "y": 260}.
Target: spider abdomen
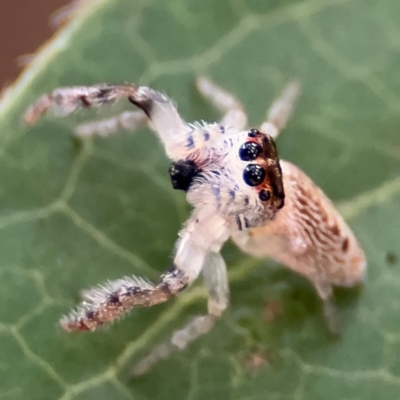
{"x": 308, "y": 234}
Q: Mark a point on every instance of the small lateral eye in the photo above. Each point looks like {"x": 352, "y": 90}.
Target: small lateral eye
{"x": 253, "y": 175}
{"x": 249, "y": 151}
{"x": 252, "y": 133}
{"x": 264, "y": 195}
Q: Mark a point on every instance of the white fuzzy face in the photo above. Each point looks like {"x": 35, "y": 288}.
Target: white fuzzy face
{"x": 240, "y": 177}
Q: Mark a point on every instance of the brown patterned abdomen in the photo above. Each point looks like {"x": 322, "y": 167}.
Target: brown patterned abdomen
{"x": 308, "y": 235}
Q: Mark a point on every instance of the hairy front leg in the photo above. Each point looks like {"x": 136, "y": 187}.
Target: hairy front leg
{"x": 203, "y": 233}
{"x": 216, "y": 281}
{"x": 163, "y": 116}
{"x": 179, "y": 138}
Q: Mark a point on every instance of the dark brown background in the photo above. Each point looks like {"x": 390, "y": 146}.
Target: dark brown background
{"x": 24, "y": 26}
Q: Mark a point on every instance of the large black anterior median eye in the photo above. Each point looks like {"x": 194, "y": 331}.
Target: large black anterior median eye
{"x": 249, "y": 151}
{"x": 254, "y": 175}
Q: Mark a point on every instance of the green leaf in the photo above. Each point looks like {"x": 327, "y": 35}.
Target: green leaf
{"x": 74, "y": 216}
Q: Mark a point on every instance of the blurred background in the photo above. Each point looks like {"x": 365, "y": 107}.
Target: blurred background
{"x": 24, "y": 26}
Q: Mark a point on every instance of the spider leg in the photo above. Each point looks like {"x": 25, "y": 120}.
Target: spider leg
{"x": 128, "y": 121}
{"x": 325, "y": 292}
{"x": 280, "y": 111}
{"x": 216, "y": 281}
{"x": 203, "y": 233}
{"x": 231, "y": 108}
{"x": 164, "y": 118}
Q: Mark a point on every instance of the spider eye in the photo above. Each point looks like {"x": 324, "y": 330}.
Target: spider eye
{"x": 253, "y": 174}
{"x": 264, "y": 195}
{"x": 249, "y": 151}
{"x": 252, "y": 133}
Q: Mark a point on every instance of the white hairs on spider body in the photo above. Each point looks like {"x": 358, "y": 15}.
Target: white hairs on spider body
{"x": 220, "y": 185}
{"x": 238, "y": 188}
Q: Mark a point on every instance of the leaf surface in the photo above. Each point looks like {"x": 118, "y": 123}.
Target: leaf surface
{"x": 73, "y": 216}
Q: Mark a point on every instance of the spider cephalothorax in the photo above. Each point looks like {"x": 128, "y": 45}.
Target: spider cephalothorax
{"x": 238, "y": 188}
{"x": 239, "y": 177}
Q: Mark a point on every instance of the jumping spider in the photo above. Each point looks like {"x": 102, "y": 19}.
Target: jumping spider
{"x": 238, "y": 188}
